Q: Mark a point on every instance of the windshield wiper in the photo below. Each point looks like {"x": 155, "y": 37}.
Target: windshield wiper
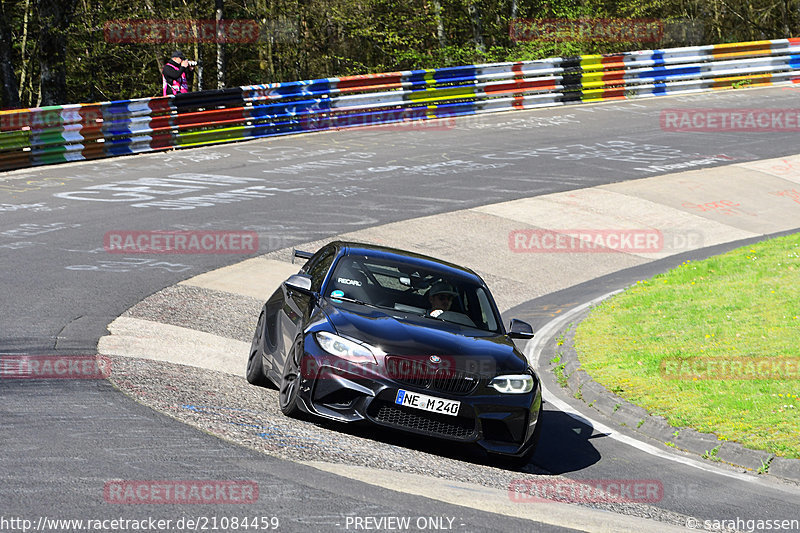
{"x": 356, "y": 301}
{"x": 348, "y": 299}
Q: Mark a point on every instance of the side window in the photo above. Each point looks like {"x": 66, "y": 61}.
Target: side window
{"x": 318, "y": 266}
{"x": 486, "y": 315}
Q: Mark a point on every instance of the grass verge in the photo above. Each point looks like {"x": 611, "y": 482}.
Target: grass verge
{"x": 713, "y": 345}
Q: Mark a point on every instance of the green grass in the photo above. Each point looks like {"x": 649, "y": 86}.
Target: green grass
{"x": 711, "y": 454}
{"x": 743, "y": 304}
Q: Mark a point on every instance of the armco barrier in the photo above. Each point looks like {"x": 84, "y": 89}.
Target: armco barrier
{"x": 56, "y": 134}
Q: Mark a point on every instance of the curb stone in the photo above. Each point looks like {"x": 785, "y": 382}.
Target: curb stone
{"x": 576, "y": 379}
{"x": 571, "y": 366}
{"x": 785, "y": 468}
{"x": 696, "y": 442}
{"x": 608, "y": 404}
{"x": 735, "y": 453}
{"x": 657, "y": 428}
{"x": 630, "y": 415}
{"x": 592, "y": 391}
{"x": 581, "y": 385}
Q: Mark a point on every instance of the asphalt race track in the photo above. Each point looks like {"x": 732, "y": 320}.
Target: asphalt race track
{"x": 64, "y": 441}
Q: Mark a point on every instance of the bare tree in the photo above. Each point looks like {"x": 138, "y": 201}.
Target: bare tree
{"x": 24, "y": 48}
{"x": 10, "y": 89}
{"x": 440, "y": 35}
{"x": 477, "y": 27}
{"x": 54, "y": 18}
{"x": 220, "y": 46}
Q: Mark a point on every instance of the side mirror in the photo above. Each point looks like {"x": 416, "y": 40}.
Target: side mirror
{"x": 300, "y": 283}
{"x": 518, "y": 329}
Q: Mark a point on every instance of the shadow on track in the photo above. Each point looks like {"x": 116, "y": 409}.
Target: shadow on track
{"x": 564, "y": 445}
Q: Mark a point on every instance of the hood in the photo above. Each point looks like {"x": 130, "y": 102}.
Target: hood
{"x": 399, "y": 333}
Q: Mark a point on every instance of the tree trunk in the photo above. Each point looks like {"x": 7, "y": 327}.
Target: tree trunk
{"x": 264, "y": 37}
{"x": 787, "y": 29}
{"x": 437, "y": 9}
{"x": 477, "y": 29}
{"x": 24, "y": 48}
{"x": 10, "y": 94}
{"x": 54, "y": 16}
{"x": 220, "y": 47}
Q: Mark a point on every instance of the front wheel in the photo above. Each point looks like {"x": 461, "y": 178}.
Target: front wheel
{"x": 255, "y": 362}
{"x": 290, "y": 383}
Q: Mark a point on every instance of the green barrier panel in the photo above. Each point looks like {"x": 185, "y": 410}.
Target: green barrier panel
{"x": 211, "y": 136}
{"x": 14, "y": 140}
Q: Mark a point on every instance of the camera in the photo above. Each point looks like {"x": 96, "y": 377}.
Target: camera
{"x": 193, "y": 63}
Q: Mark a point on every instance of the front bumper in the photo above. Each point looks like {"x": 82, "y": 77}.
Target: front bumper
{"x": 337, "y": 389}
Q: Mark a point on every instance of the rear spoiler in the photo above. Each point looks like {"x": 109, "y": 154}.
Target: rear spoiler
{"x": 301, "y": 254}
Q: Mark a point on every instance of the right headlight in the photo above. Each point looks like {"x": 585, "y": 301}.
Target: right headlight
{"x": 513, "y": 383}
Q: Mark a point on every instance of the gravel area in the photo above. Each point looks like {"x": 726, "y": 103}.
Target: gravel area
{"x": 228, "y": 315}
{"x": 228, "y": 407}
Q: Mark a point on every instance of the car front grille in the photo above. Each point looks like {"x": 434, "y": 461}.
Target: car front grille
{"x": 431, "y": 423}
{"x": 455, "y": 382}
{"x": 418, "y": 373}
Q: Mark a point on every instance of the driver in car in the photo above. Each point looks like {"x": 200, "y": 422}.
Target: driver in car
{"x": 440, "y": 296}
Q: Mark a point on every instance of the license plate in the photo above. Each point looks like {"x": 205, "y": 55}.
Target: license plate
{"x": 427, "y": 403}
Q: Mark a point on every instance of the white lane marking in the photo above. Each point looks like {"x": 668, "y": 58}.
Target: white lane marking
{"x": 533, "y": 351}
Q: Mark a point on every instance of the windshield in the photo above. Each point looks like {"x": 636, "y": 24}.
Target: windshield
{"x": 411, "y": 289}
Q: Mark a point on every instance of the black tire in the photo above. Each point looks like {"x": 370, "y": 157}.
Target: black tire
{"x": 255, "y": 363}
{"x": 289, "y": 389}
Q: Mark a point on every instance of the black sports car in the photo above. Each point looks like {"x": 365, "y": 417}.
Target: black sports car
{"x": 366, "y": 333}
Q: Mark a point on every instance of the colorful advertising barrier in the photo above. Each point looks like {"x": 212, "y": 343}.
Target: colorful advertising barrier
{"x": 56, "y": 134}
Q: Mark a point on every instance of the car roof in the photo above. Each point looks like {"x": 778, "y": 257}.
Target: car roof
{"x": 384, "y": 252}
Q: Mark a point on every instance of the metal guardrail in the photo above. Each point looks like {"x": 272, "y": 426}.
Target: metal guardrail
{"x": 56, "y": 134}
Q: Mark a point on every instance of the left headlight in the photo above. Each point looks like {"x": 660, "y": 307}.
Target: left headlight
{"x": 513, "y": 384}
{"x": 346, "y": 349}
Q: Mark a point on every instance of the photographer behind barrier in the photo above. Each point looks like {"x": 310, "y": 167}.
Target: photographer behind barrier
{"x": 177, "y": 75}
